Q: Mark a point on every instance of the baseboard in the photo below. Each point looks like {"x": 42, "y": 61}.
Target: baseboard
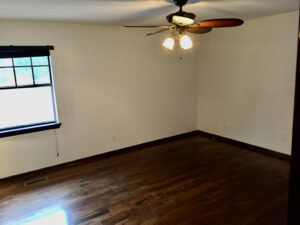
{"x": 146, "y": 145}
{"x": 245, "y": 145}
{"x": 105, "y": 155}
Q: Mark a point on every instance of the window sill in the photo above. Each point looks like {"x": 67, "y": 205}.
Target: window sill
{"x": 30, "y": 129}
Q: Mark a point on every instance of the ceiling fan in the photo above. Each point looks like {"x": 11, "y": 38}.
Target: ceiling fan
{"x": 182, "y": 21}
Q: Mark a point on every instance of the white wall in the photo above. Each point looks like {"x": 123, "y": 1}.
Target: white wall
{"x": 109, "y": 81}
{"x": 246, "y": 78}
{"x": 239, "y": 83}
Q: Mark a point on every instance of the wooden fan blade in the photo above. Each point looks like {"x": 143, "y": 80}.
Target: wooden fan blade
{"x": 221, "y": 23}
{"x": 146, "y": 26}
{"x": 199, "y": 30}
{"x": 156, "y": 32}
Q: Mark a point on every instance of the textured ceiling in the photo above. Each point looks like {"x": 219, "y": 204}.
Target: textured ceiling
{"x": 120, "y": 12}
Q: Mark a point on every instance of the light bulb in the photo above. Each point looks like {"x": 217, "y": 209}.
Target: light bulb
{"x": 169, "y": 43}
{"x": 186, "y": 42}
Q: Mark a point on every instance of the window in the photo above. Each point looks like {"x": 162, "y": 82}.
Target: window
{"x": 27, "y": 98}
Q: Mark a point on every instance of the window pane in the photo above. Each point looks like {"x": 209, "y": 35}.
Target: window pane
{"x": 6, "y": 62}
{"x": 25, "y": 106}
{"x": 40, "y": 61}
{"x": 41, "y": 75}
{"x": 24, "y": 76}
{"x": 7, "y": 78}
{"x": 22, "y": 61}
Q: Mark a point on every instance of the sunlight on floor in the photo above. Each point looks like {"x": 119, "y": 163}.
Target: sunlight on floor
{"x": 48, "y": 216}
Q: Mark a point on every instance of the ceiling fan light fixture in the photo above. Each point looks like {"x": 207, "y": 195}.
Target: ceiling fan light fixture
{"x": 169, "y": 43}
{"x": 181, "y": 18}
{"x": 183, "y": 21}
{"x": 186, "y": 42}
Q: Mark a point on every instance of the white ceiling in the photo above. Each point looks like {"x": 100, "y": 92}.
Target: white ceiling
{"x": 122, "y": 12}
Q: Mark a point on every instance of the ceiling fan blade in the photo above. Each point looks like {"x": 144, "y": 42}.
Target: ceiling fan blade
{"x": 146, "y": 26}
{"x": 159, "y": 31}
{"x": 199, "y": 30}
{"x": 232, "y": 22}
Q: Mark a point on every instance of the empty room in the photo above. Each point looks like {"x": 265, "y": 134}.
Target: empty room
{"x": 149, "y": 112}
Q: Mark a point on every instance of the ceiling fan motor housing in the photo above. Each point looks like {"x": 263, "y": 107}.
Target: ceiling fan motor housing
{"x": 180, "y": 3}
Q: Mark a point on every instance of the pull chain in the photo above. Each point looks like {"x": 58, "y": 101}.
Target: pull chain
{"x": 57, "y": 149}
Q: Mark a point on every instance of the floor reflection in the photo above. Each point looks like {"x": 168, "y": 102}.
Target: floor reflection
{"x": 54, "y": 215}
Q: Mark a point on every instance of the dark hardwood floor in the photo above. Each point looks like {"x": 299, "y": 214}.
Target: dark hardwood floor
{"x": 192, "y": 180}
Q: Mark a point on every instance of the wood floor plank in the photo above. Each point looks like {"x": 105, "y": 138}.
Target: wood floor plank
{"x": 192, "y": 180}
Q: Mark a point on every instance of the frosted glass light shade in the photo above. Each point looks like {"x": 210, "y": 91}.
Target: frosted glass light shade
{"x": 183, "y": 21}
{"x": 186, "y": 42}
{"x": 169, "y": 43}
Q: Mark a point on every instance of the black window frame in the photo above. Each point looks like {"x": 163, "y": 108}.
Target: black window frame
{"x": 29, "y": 51}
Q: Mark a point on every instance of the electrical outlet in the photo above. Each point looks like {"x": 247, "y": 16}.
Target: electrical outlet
{"x": 283, "y": 136}
{"x": 226, "y": 127}
{"x": 113, "y": 138}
